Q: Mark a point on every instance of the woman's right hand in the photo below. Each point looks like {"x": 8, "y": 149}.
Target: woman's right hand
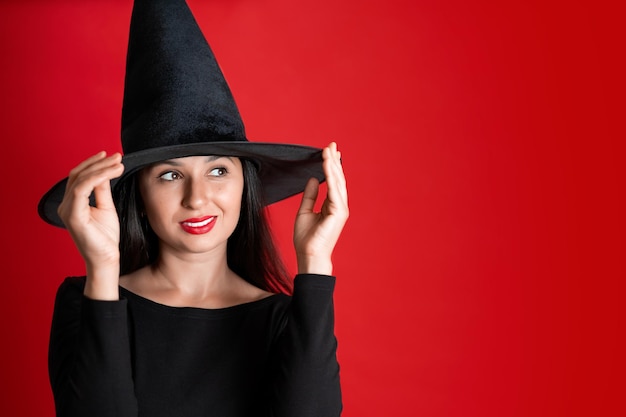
{"x": 95, "y": 230}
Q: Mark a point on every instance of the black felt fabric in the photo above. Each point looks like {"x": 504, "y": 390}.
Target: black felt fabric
{"x": 175, "y": 92}
{"x": 133, "y": 357}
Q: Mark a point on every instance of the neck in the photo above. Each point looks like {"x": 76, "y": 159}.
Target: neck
{"x": 197, "y": 275}
{"x": 191, "y": 281}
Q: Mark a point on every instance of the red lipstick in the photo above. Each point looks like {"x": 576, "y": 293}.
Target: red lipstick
{"x": 198, "y": 225}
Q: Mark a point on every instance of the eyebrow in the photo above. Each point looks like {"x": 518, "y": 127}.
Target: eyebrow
{"x": 174, "y": 162}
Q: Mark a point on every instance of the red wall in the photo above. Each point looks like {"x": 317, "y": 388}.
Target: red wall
{"x": 482, "y": 270}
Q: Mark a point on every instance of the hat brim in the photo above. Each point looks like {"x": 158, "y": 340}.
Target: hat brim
{"x": 284, "y": 169}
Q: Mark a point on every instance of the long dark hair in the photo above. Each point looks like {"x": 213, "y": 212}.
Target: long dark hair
{"x": 251, "y": 251}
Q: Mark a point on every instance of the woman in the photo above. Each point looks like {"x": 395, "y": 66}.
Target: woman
{"x": 185, "y": 309}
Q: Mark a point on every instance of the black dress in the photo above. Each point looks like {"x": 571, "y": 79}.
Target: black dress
{"x": 135, "y": 357}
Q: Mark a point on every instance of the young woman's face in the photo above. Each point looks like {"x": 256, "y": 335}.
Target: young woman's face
{"x": 193, "y": 203}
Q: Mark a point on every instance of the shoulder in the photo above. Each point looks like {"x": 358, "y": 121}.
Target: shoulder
{"x": 69, "y": 299}
{"x": 74, "y": 283}
{"x": 71, "y": 288}
{"x": 278, "y": 301}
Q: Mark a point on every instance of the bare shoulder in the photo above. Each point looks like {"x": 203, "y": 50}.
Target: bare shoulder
{"x": 133, "y": 281}
{"x": 246, "y": 292}
{"x": 204, "y": 293}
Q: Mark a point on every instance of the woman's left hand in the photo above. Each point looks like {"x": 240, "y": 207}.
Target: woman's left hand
{"x": 315, "y": 234}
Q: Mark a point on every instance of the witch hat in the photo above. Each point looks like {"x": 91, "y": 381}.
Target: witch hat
{"x": 177, "y": 103}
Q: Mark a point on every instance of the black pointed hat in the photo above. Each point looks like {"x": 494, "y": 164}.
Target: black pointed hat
{"x": 177, "y": 103}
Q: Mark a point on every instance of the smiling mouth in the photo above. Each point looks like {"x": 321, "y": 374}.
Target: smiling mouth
{"x": 198, "y": 223}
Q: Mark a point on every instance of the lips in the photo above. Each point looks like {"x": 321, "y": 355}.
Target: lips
{"x": 198, "y": 226}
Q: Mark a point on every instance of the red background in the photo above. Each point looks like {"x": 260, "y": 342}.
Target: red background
{"x": 482, "y": 270}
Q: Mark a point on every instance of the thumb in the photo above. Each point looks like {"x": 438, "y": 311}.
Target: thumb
{"x": 103, "y": 195}
{"x": 309, "y": 196}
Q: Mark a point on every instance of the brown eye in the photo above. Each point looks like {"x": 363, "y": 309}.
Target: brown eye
{"x": 218, "y": 172}
{"x": 169, "y": 176}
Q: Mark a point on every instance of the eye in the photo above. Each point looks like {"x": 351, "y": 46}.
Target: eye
{"x": 218, "y": 172}
{"x": 169, "y": 176}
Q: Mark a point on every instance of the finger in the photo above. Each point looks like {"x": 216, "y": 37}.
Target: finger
{"x": 80, "y": 167}
{"x": 336, "y": 190}
{"x": 335, "y": 156}
{"x": 89, "y": 161}
{"x": 84, "y": 182}
{"x": 92, "y": 164}
{"x": 76, "y": 198}
{"x": 109, "y": 162}
{"x": 102, "y": 191}
{"x": 309, "y": 196}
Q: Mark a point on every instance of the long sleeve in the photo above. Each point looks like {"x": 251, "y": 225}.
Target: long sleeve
{"x": 306, "y": 375}
{"x": 89, "y": 355}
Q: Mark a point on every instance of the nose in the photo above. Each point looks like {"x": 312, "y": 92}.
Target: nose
{"x": 196, "y": 193}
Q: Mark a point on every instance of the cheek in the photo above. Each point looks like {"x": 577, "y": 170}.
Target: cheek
{"x": 152, "y": 208}
{"x": 232, "y": 200}
{"x": 153, "y": 212}
{"x": 150, "y": 202}
{"x": 157, "y": 206}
